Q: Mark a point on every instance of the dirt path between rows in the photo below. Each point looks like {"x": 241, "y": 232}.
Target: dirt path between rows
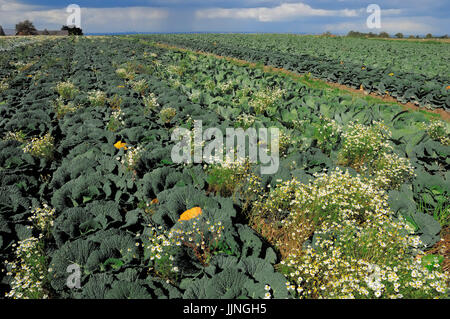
{"x": 360, "y": 93}
{"x": 387, "y": 98}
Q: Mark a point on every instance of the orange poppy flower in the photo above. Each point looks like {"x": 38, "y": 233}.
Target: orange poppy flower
{"x": 448, "y": 87}
{"x": 190, "y": 214}
{"x": 154, "y": 201}
{"x": 120, "y": 145}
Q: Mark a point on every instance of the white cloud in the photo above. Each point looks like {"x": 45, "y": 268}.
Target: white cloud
{"x": 282, "y": 12}
{"x": 92, "y": 19}
{"x": 285, "y": 11}
{"x": 12, "y": 6}
{"x": 410, "y": 25}
{"x": 123, "y": 19}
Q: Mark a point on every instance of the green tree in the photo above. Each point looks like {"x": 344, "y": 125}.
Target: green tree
{"x": 26, "y": 28}
{"x": 384, "y": 35}
{"x": 72, "y": 30}
{"x": 2, "y": 33}
{"x": 429, "y": 36}
{"x": 399, "y": 35}
{"x": 355, "y": 34}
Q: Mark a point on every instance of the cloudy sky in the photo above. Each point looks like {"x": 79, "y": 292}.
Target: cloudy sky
{"x": 293, "y": 16}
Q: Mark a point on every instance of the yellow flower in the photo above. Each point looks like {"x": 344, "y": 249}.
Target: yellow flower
{"x": 120, "y": 145}
{"x": 121, "y": 86}
{"x": 363, "y": 68}
{"x": 391, "y": 74}
{"x": 190, "y": 214}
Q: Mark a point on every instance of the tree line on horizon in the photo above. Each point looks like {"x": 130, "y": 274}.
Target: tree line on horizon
{"x": 382, "y": 35}
{"x": 27, "y": 28}
{"x": 399, "y": 35}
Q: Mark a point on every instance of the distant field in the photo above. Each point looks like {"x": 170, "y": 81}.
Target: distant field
{"x": 357, "y": 208}
{"x": 411, "y": 71}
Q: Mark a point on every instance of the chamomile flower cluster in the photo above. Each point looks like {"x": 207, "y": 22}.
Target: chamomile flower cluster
{"x": 328, "y": 134}
{"x": 175, "y": 70}
{"x": 225, "y": 87}
{"x": 41, "y": 146}
{"x": 66, "y": 90}
{"x": 390, "y": 171}
{"x": 3, "y": 85}
{"x": 139, "y": 86}
{"x": 275, "y": 205}
{"x": 439, "y": 131}
{"x": 327, "y": 272}
{"x": 331, "y": 201}
{"x": 115, "y": 120}
{"x": 366, "y": 149}
{"x": 18, "y": 136}
{"x": 362, "y": 144}
{"x": 167, "y": 114}
{"x": 230, "y": 177}
{"x": 209, "y": 85}
{"x": 280, "y": 143}
{"x": 28, "y": 270}
{"x": 176, "y": 83}
{"x": 285, "y": 140}
{"x": 131, "y": 157}
{"x": 23, "y": 66}
{"x": 62, "y": 108}
{"x": 150, "y": 101}
{"x": 198, "y": 237}
{"x": 194, "y": 96}
{"x": 338, "y": 197}
{"x": 268, "y": 294}
{"x": 123, "y": 73}
{"x": 18, "y": 64}
{"x": 152, "y": 55}
{"x": 42, "y": 218}
{"x": 354, "y": 231}
{"x": 264, "y": 99}
{"x": 160, "y": 251}
{"x": 245, "y": 120}
{"x": 97, "y": 98}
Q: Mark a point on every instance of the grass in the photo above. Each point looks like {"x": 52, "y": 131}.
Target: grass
{"x": 440, "y": 212}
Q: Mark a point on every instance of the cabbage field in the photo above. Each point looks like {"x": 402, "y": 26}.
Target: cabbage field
{"x": 409, "y": 71}
{"x": 93, "y": 206}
